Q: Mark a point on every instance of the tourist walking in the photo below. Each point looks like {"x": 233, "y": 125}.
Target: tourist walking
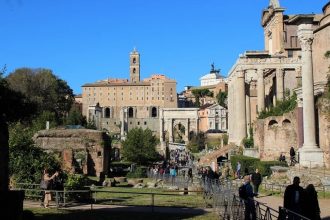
{"x": 311, "y": 208}
{"x": 47, "y": 179}
{"x": 293, "y": 197}
{"x": 173, "y": 174}
{"x": 256, "y": 179}
{"x": 238, "y": 170}
{"x": 246, "y": 193}
{"x": 293, "y": 160}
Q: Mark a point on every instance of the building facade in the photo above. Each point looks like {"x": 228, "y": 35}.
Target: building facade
{"x": 212, "y": 116}
{"x": 293, "y": 59}
{"x": 120, "y": 104}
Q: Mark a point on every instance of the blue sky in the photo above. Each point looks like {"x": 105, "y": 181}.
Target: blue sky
{"x": 87, "y": 40}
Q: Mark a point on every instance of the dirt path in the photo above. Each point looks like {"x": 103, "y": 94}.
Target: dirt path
{"x": 276, "y": 201}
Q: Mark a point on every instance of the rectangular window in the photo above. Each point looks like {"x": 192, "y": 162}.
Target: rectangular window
{"x": 145, "y": 123}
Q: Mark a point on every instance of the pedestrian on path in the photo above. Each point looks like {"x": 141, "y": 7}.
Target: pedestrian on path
{"x": 294, "y": 196}
{"x": 238, "y": 170}
{"x": 293, "y": 160}
{"x": 256, "y": 180}
{"x": 247, "y": 195}
{"x": 311, "y": 207}
{"x": 47, "y": 178}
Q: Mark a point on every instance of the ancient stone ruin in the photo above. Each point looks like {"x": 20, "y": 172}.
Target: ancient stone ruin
{"x": 80, "y": 150}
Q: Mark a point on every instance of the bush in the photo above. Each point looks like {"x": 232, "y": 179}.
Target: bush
{"x": 264, "y": 166}
{"x": 76, "y": 182}
{"x": 139, "y": 172}
{"x": 246, "y": 162}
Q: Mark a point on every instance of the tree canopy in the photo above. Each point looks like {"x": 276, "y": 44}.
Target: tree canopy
{"x": 222, "y": 99}
{"x": 44, "y": 89}
{"x": 201, "y": 93}
{"x": 140, "y": 146}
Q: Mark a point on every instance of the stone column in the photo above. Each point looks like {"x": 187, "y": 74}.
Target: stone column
{"x": 240, "y": 107}
{"x": 261, "y": 90}
{"x": 122, "y": 124}
{"x": 170, "y": 129}
{"x": 310, "y": 154}
{"x": 186, "y": 131}
{"x": 231, "y": 110}
{"x": 248, "y": 114}
{"x": 280, "y": 84}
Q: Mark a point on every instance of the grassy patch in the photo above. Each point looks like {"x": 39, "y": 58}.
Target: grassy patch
{"x": 125, "y": 213}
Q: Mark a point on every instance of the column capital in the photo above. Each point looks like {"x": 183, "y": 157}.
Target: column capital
{"x": 280, "y": 72}
{"x": 240, "y": 73}
{"x": 305, "y": 36}
{"x": 306, "y": 42}
{"x": 260, "y": 73}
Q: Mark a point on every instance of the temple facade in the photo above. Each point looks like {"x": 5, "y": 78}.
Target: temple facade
{"x": 293, "y": 60}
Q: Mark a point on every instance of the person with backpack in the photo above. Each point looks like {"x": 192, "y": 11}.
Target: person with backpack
{"x": 246, "y": 194}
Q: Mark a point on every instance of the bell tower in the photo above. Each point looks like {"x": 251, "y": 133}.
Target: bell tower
{"x": 134, "y": 66}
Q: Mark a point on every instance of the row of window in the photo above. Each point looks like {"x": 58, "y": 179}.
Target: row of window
{"x": 130, "y": 88}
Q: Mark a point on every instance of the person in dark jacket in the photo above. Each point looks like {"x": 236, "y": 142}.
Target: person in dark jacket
{"x": 311, "y": 207}
{"x": 294, "y": 196}
{"x": 250, "y": 209}
{"x": 256, "y": 180}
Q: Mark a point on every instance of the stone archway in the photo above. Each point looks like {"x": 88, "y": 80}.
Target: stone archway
{"x": 177, "y": 122}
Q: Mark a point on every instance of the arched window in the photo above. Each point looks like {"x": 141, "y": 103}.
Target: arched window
{"x": 130, "y": 112}
{"x": 154, "y": 112}
{"x": 134, "y": 70}
{"x": 134, "y": 60}
{"x": 272, "y": 122}
{"x": 286, "y": 122}
{"x": 107, "y": 113}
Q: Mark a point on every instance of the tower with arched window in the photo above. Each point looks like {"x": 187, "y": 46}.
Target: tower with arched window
{"x": 134, "y": 66}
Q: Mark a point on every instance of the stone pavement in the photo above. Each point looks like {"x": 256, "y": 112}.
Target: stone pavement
{"x": 276, "y": 201}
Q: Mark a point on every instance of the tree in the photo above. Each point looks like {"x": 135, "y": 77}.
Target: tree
{"x": 140, "y": 146}
{"x": 27, "y": 161}
{"x": 196, "y": 142}
{"x": 42, "y": 87}
{"x": 201, "y": 93}
{"x": 75, "y": 117}
{"x": 222, "y": 99}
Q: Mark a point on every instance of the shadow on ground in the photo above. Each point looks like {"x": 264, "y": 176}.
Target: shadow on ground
{"x": 117, "y": 213}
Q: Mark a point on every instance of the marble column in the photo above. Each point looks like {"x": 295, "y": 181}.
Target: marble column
{"x": 240, "y": 128}
{"x": 261, "y": 90}
{"x": 231, "y": 110}
{"x": 248, "y": 114}
{"x": 170, "y": 129}
{"x": 310, "y": 154}
{"x": 280, "y": 84}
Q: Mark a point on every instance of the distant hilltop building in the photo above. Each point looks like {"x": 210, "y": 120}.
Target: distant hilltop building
{"x": 118, "y": 105}
{"x": 212, "y": 78}
{"x": 212, "y": 81}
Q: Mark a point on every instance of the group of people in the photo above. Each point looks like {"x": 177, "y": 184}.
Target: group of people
{"x": 51, "y": 182}
{"x": 302, "y": 201}
{"x": 181, "y": 157}
{"x": 296, "y": 199}
{"x": 293, "y": 159}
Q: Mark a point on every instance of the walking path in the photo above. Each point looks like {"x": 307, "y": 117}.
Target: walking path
{"x": 276, "y": 201}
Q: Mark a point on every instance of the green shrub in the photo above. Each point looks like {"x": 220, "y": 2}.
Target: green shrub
{"x": 246, "y": 162}
{"x": 76, "y": 182}
{"x": 281, "y": 107}
{"x": 264, "y": 166}
{"x": 139, "y": 172}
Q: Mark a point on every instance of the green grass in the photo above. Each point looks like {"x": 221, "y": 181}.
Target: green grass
{"x": 115, "y": 213}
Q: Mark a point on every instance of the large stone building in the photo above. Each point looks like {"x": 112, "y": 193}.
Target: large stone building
{"x": 120, "y": 104}
{"x": 293, "y": 59}
{"x": 212, "y": 116}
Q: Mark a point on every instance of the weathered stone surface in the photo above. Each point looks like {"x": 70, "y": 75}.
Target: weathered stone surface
{"x": 120, "y": 179}
{"x": 81, "y": 150}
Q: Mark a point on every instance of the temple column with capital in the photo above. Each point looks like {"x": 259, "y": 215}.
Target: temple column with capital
{"x": 240, "y": 128}
{"x": 261, "y": 90}
{"x": 310, "y": 153}
{"x": 280, "y": 84}
{"x": 231, "y": 111}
